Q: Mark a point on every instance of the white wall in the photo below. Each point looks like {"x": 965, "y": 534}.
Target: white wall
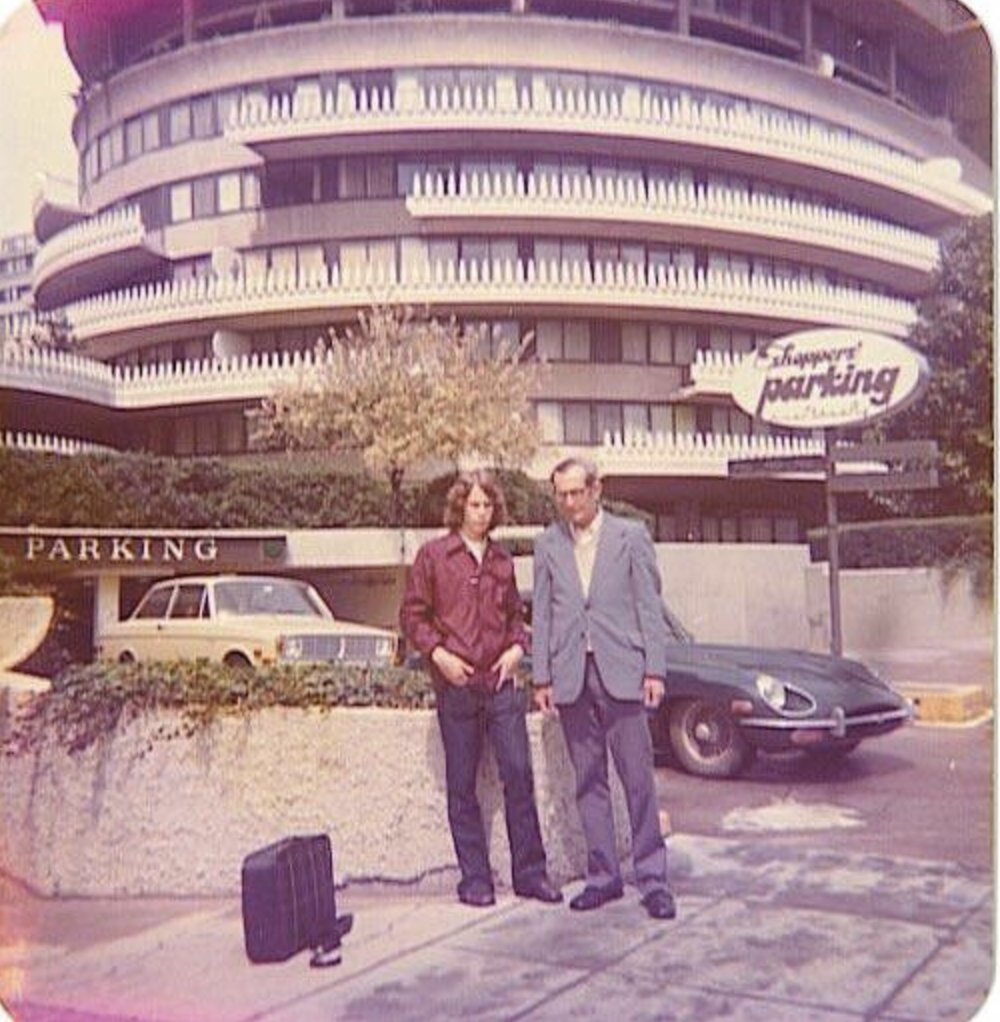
{"x": 731, "y": 592}
{"x": 889, "y": 609}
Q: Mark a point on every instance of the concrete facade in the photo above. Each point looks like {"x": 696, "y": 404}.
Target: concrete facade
{"x": 651, "y": 190}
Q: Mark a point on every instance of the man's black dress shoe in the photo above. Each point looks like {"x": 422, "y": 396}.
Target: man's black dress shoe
{"x": 594, "y": 897}
{"x": 477, "y": 897}
{"x": 660, "y": 905}
{"x": 541, "y": 889}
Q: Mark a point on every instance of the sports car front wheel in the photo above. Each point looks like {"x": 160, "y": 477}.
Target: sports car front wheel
{"x": 706, "y": 740}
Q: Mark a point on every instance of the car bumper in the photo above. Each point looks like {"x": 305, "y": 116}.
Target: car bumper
{"x": 839, "y": 726}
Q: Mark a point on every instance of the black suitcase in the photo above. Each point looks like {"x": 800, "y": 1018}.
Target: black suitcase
{"x": 289, "y": 902}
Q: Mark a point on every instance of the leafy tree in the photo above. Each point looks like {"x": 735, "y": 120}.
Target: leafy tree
{"x": 955, "y": 332}
{"x": 401, "y": 390}
{"x": 52, "y": 331}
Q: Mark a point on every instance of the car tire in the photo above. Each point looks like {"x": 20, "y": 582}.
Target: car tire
{"x": 706, "y": 741}
{"x": 125, "y": 657}
{"x": 237, "y": 662}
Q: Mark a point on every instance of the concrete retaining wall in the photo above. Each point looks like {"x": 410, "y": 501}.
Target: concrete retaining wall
{"x": 730, "y": 592}
{"x": 738, "y": 592}
{"x": 135, "y": 817}
{"x": 888, "y": 609}
{"x": 24, "y": 622}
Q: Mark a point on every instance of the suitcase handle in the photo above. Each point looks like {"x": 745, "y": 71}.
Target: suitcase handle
{"x": 328, "y": 953}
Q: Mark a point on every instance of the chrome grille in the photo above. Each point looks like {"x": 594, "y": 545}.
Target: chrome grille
{"x": 343, "y": 648}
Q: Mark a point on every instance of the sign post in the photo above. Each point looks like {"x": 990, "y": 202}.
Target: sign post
{"x": 827, "y": 379}
{"x": 833, "y": 546}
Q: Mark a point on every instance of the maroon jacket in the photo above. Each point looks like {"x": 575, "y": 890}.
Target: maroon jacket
{"x": 474, "y": 612}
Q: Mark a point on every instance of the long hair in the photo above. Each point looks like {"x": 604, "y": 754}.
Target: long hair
{"x": 458, "y": 494}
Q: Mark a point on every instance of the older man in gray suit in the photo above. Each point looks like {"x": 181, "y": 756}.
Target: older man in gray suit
{"x": 599, "y": 656}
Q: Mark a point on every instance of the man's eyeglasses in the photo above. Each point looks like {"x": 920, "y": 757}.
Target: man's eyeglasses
{"x": 573, "y": 494}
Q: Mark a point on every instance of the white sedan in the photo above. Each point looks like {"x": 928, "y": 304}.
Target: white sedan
{"x": 242, "y": 621}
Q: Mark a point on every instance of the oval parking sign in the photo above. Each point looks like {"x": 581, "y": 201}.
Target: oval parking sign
{"x": 829, "y": 377}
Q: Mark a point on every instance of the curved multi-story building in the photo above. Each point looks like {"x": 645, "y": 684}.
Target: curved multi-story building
{"x": 651, "y": 187}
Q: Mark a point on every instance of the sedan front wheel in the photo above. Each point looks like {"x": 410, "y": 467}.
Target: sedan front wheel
{"x": 706, "y": 740}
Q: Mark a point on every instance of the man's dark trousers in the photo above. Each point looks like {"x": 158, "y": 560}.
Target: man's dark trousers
{"x": 593, "y": 724}
{"x": 465, "y": 714}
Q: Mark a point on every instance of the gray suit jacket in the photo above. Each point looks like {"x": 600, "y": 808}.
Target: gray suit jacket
{"x": 623, "y": 614}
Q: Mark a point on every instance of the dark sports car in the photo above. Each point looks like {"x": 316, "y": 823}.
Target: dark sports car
{"x": 724, "y": 703}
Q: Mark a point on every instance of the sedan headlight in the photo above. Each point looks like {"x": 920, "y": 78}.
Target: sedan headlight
{"x": 290, "y": 647}
{"x": 771, "y": 691}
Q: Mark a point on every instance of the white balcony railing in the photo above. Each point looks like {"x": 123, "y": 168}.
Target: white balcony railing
{"x": 683, "y": 454}
{"x": 456, "y": 284}
{"x": 107, "y": 233}
{"x": 47, "y": 443}
{"x": 712, "y": 372}
{"x": 544, "y": 196}
{"x": 244, "y": 377}
{"x": 629, "y": 112}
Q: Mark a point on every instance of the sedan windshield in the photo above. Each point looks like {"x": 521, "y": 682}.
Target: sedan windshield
{"x": 278, "y": 597}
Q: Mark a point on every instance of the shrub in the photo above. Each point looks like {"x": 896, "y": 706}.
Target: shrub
{"x": 956, "y": 543}
{"x": 300, "y": 491}
{"x": 87, "y": 704}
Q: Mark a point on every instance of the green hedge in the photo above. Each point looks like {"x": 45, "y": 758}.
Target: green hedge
{"x": 137, "y": 490}
{"x": 87, "y": 704}
{"x": 278, "y": 491}
{"x": 912, "y": 542}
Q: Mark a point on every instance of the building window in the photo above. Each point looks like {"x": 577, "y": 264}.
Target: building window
{"x": 180, "y": 122}
{"x": 576, "y": 341}
{"x": 203, "y": 197}
{"x": 151, "y": 131}
{"x": 756, "y": 529}
{"x": 661, "y": 345}
{"x": 576, "y": 423}
{"x": 203, "y": 117}
{"x": 605, "y": 341}
{"x": 206, "y": 434}
{"x": 133, "y": 138}
{"x": 180, "y": 202}
{"x": 634, "y": 343}
{"x": 229, "y": 193}
{"x": 381, "y": 175}
{"x": 607, "y": 420}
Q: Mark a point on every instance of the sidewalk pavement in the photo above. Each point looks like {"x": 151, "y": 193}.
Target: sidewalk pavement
{"x": 764, "y": 932}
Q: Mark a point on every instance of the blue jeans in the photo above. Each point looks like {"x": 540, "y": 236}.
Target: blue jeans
{"x": 465, "y": 714}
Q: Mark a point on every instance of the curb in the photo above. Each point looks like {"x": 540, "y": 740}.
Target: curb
{"x": 956, "y": 704}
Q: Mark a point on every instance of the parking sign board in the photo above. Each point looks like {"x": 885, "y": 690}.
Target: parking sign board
{"x": 829, "y": 377}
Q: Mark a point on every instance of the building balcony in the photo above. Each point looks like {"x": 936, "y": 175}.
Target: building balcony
{"x": 741, "y": 137}
{"x": 75, "y": 377}
{"x": 712, "y": 374}
{"x": 320, "y": 296}
{"x": 86, "y": 256}
{"x": 682, "y": 454}
{"x": 679, "y": 213}
{"x": 48, "y": 443}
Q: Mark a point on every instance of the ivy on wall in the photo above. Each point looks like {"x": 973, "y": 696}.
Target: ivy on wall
{"x": 86, "y": 705}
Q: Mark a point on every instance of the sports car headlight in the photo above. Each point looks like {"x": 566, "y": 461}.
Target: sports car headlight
{"x": 771, "y": 691}
{"x": 290, "y": 647}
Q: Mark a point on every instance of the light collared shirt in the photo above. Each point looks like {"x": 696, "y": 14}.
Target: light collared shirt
{"x": 585, "y": 549}
{"x": 477, "y": 549}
